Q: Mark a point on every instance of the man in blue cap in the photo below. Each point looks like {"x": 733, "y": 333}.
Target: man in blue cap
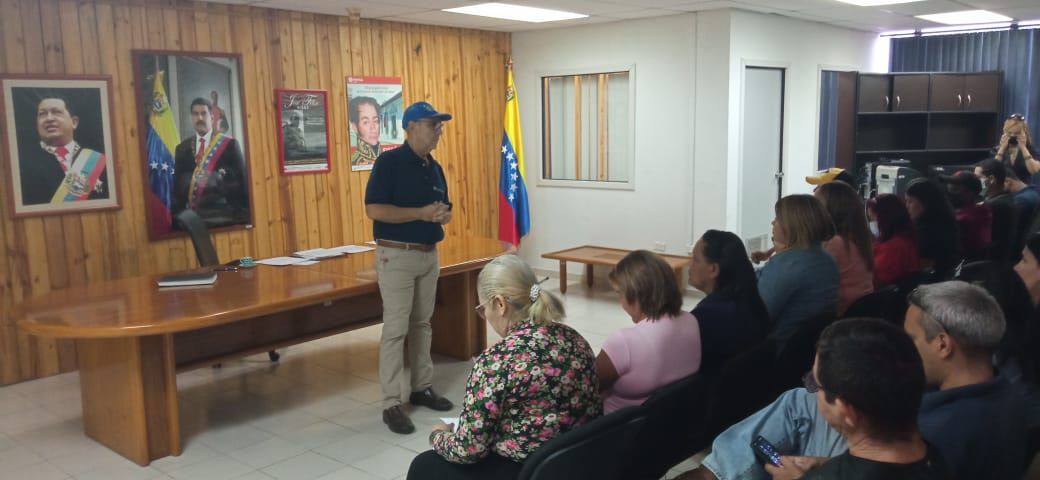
{"x": 407, "y": 199}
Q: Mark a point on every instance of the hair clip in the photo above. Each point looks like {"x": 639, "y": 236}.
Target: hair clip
{"x": 535, "y": 291}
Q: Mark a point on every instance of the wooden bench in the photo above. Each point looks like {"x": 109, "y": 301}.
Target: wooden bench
{"x": 592, "y": 255}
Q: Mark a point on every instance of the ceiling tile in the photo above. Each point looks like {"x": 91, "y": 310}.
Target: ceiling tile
{"x": 924, "y": 8}
{"x": 788, "y": 5}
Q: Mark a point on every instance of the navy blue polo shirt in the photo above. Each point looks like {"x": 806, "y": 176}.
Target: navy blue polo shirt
{"x": 402, "y": 178}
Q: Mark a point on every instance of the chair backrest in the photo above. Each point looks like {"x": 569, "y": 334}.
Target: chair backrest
{"x": 597, "y": 449}
{"x": 887, "y": 303}
{"x": 674, "y": 419}
{"x": 192, "y": 223}
{"x": 742, "y": 386}
{"x": 795, "y": 357}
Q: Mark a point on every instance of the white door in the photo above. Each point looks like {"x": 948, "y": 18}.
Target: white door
{"x": 761, "y": 158}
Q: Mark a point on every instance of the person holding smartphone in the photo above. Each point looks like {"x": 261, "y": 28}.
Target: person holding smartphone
{"x": 1015, "y": 149}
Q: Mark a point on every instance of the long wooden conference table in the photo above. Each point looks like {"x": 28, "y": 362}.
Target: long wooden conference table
{"x": 132, "y": 337}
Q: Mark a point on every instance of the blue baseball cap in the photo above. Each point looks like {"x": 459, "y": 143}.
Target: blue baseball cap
{"x": 421, "y": 110}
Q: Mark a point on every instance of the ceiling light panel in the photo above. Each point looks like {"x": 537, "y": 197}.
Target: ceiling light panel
{"x": 516, "y": 12}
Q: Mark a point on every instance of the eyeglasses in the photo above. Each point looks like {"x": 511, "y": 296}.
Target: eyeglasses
{"x": 810, "y": 383}
{"x": 435, "y": 125}
{"x": 480, "y": 310}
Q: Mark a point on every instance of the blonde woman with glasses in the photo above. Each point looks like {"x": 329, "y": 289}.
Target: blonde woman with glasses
{"x": 536, "y": 383}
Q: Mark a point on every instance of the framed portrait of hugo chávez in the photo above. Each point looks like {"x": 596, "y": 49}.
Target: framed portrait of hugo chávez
{"x": 193, "y": 141}
{"x": 303, "y": 134}
{"x": 58, "y": 144}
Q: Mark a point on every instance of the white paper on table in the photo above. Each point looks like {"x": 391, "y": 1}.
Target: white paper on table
{"x": 318, "y": 253}
{"x": 351, "y": 249}
{"x": 453, "y": 421}
{"x": 306, "y": 262}
{"x": 281, "y": 261}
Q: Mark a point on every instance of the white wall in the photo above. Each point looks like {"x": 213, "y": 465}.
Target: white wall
{"x": 688, "y": 74}
{"x": 661, "y": 49}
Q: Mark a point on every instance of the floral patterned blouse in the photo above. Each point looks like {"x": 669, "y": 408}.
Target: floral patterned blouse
{"x": 537, "y": 382}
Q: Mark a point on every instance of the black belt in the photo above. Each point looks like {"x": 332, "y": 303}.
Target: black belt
{"x": 422, "y": 247}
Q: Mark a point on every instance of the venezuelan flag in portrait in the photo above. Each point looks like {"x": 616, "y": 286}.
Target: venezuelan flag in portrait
{"x": 161, "y": 141}
{"x": 514, "y": 217}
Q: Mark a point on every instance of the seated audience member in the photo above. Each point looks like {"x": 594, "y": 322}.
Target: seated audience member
{"x": 1011, "y": 215}
{"x": 973, "y": 217}
{"x": 935, "y": 227}
{"x": 851, "y": 244}
{"x": 973, "y": 418}
{"x": 801, "y": 280}
{"x": 868, "y": 380}
{"x": 538, "y": 381}
{"x": 663, "y": 346}
{"x": 895, "y": 252}
{"x": 1029, "y": 270}
{"x": 823, "y": 177}
{"x": 732, "y": 317}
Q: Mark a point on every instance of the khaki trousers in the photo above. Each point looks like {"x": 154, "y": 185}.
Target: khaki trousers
{"x": 408, "y": 287}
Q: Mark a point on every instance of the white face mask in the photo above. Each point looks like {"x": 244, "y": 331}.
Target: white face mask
{"x": 874, "y": 228}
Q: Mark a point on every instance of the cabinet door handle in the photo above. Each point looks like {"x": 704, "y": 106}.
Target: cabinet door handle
{"x": 969, "y": 99}
{"x": 888, "y": 102}
{"x": 960, "y": 100}
{"x": 898, "y": 101}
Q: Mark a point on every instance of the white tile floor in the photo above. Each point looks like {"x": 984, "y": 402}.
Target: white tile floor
{"x": 314, "y": 415}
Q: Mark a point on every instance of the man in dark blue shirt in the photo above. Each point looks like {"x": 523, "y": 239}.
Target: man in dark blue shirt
{"x": 407, "y": 199}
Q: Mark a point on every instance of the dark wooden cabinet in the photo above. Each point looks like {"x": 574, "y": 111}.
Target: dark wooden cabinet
{"x": 982, "y": 92}
{"x": 909, "y": 93}
{"x": 893, "y": 93}
{"x": 874, "y": 93}
{"x": 928, "y": 119}
{"x": 969, "y": 92}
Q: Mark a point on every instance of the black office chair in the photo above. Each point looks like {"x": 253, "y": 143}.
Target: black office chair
{"x": 192, "y": 223}
{"x": 741, "y": 387}
{"x": 886, "y": 302}
{"x": 675, "y": 417}
{"x": 795, "y": 357}
{"x": 594, "y": 450}
{"x": 205, "y": 252}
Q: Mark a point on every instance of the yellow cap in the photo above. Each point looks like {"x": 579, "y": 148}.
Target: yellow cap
{"x": 824, "y": 176}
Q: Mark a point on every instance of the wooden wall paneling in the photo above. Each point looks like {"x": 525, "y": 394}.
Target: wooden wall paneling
{"x": 355, "y": 200}
{"x": 305, "y": 187}
{"x": 265, "y": 176}
{"x": 88, "y": 257}
{"x": 318, "y": 225}
{"x": 129, "y": 234}
{"x": 457, "y": 70}
{"x": 328, "y": 207}
{"x": 338, "y": 45}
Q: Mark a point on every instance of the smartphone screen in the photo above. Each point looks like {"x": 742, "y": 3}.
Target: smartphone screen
{"x": 765, "y": 451}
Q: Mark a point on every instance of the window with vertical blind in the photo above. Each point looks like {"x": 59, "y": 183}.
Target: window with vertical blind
{"x": 587, "y": 129}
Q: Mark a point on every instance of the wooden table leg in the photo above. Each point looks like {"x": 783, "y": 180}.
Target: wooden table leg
{"x": 588, "y": 274}
{"x": 457, "y": 330}
{"x": 129, "y": 389}
{"x": 563, "y": 276}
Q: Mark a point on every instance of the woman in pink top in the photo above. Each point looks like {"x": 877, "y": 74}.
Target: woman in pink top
{"x": 663, "y": 346}
{"x": 851, "y": 245}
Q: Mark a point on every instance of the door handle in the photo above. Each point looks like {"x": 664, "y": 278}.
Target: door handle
{"x": 898, "y": 101}
{"x": 778, "y": 175}
{"x": 888, "y": 103}
{"x": 960, "y": 100}
{"x": 969, "y": 99}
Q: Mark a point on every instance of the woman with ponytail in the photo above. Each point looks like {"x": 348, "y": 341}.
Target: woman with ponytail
{"x": 538, "y": 381}
{"x": 663, "y": 346}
